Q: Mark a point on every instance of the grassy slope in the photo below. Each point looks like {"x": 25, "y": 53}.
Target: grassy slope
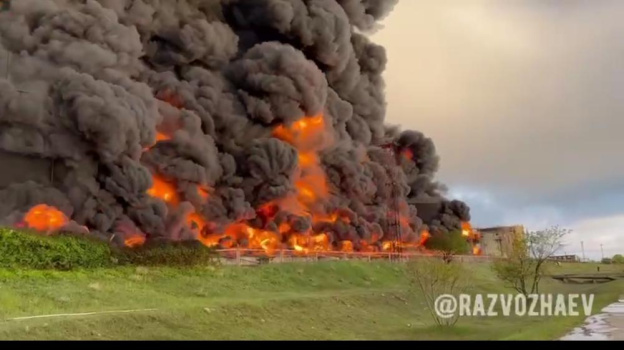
{"x": 340, "y": 300}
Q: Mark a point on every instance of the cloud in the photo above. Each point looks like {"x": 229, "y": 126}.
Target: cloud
{"x": 522, "y": 99}
{"x": 598, "y": 236}
{"x": 605, "y": 230}
{"x": 490, "y": 210}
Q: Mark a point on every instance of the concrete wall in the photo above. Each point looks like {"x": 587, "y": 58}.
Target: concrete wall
{"x": 496, "y": 241}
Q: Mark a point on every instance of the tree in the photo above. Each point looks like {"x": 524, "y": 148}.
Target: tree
{"x": 433, "y": 277}
{"x": 618, "y": 259}
{"x": 452, "y": 242}
{"x": 525, "y": 264}
{"x": 449, "y": 244}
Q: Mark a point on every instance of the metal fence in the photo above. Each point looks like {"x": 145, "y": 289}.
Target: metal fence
{"x": 244, "y": 256}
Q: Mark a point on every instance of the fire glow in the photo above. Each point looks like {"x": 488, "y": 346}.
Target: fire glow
{"x": 163, "y": 190}
{"x": 311, "y": 188}
{"x": 42, "y": 217}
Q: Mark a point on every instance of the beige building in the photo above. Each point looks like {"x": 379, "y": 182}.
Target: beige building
{"x": 495, "y": 241}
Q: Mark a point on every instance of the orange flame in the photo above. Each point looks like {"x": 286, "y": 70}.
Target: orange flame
{"x": 307, "y": 160}
{"x": 159, "y": 137}
{"x": 424, "y": 237}
{"x": 346, "y": 246}
{"x": 408, "y": 154}
{"x": 302, "y": 131}
{"x": 162, "y": 137}
{"x": 284, "y": 227}
{"x": 134, "y": 241}
{"x": 210, "y": 240}
{"x": 320, "y": 242}
{"x": 476, "y": 250}
{"x": 466, "y": 229}
{"x": 171, "y": 98}
{"x": 312, "y": 184}
{"x": 163, "y": 190}
{"x": 42, "y": 217}
{"x": 261, "y": 239}
{"x": 195, "y": 220}
{"x": 311, "y": 188}
{"x": 386, "y": 246}
{"x": 203, "y": 193}
{"x": 303, "y": 244}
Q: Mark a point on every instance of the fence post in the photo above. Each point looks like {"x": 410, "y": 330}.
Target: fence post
{"x": 238, "y": 256}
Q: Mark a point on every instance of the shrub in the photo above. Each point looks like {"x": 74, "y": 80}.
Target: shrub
{"x": 434, "y": 277}
{"x": 618, "y": 259}
{"x": 168, "y": 253}
{"x": 452, "y": 243}
{"x": 28, "y": 249}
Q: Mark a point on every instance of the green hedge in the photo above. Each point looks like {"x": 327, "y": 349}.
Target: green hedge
{"x": 167, "y": 253}
{"x": 28, "y": 249}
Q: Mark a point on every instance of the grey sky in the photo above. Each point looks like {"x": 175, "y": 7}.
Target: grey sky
{"x": 525, "y": 102}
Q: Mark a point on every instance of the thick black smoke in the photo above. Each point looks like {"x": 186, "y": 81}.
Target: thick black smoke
{"x": 92, "y": 83}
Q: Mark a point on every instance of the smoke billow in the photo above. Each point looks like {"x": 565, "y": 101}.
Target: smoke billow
{"x": 227, "y": 121}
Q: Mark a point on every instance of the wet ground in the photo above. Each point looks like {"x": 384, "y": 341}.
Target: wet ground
{"x": 608, "y": 325}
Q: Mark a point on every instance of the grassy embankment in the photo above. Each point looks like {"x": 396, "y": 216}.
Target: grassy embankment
{"x": 331, "y": 300}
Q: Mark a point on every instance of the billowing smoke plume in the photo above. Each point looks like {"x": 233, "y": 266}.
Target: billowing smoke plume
{"x": 206, "y": 119}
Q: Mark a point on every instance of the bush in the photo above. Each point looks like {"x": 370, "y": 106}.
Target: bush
{"x": 606, "y": 261}
{"x": 618, "y": 259}
{"x": 169, "y": 254}
{"x": 433, "y": 277}
{"x": 27, "y": 249}
{"x": 452, "y": 243}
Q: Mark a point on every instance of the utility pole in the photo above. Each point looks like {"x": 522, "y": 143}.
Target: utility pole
{"x": 393, "y": 227}
{"x": 583, "y": 251}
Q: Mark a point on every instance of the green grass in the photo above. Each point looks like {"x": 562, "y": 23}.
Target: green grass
{"x": 585, "y": 268}
{"x": 525, "y": 327}
{"x": 187, "y": 296}
{"x": 328, "y": 300}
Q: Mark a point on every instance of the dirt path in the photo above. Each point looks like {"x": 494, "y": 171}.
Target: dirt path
{"x": 616, "y": 320}
{"x": 609, "y": 325}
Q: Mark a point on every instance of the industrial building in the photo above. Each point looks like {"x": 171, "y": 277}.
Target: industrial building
{"x": 496, "y": 241}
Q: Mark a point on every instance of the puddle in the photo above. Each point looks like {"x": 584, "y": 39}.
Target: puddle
{"x": 597, "y": 327}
